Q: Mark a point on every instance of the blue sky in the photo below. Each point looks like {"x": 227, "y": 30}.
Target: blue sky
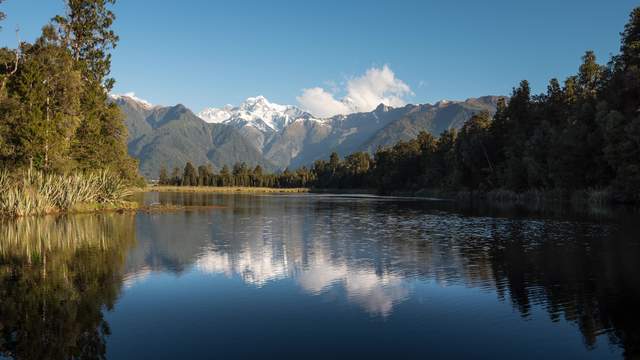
{"x": 210, "y": 53}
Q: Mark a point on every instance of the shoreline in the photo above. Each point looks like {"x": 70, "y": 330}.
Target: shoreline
{"x": 533, "y": 201}
{"x": 120, "y": 207}
{"x": 223, "y": 189}
{"x": 82, "y": 208}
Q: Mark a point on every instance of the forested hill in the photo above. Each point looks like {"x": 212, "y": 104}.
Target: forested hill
{"x": 172, "y": 135}
{"x": 435, "y": 119}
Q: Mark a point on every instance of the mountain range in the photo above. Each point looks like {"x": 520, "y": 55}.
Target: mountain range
{"x": 275, "y": 136}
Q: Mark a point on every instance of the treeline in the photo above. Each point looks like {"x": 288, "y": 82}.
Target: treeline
{"x": 240, "y": 175}
{"x": 55, "y": 115}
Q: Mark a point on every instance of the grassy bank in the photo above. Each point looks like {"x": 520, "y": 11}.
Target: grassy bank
{"x": 32, "y": 192}
{"x": 222, "y": 189}
{"x": 344, "y": 191}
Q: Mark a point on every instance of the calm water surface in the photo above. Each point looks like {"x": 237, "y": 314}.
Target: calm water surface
{"x": 303, "y": 276}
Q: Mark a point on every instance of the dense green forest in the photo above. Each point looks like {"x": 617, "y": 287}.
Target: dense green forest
{"x": 62, "y": 143}
{"x": 583, "y": 134}
{"x": 54, "y": 110}
{"x": 239, "y": 175}
{"x": 580, "y": 136}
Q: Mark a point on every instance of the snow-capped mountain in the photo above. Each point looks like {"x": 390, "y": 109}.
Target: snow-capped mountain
{"x": 276, "y": 136}
{"x": 256, "y": 112}
{"x": 132, "y": 97}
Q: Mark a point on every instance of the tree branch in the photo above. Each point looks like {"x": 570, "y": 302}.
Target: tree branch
{"x": 15, "y": 66}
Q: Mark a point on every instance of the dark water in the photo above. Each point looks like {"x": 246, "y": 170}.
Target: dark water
{"x": 320, "y": 277}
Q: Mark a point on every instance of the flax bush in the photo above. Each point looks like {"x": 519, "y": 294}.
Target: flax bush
{"x": 33, "y": 192}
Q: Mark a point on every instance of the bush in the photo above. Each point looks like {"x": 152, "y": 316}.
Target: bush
{"x": 33, "y": 192}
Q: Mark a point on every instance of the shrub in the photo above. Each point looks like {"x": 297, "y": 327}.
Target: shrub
{"x": 33, "y": 192}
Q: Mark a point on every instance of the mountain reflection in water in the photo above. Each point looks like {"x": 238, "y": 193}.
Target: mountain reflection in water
{"x": 374, "y": 254}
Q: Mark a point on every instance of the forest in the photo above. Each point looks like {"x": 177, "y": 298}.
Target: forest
{"x": 54, "y": 103}
{"x": 581, "y": 136}
{"x": 57, "y": 127}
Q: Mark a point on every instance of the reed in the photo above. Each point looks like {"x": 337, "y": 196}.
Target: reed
{"x": 33, "y": 192}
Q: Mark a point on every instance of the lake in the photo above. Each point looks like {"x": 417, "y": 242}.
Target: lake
{"x": 320, "y": 276}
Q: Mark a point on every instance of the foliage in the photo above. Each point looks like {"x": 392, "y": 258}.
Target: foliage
{"x": 54, "y": 112}
{"x": 34, "y": 192}
{"x": 240, "y": 176}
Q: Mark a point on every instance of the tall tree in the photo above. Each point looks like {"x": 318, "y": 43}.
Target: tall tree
{"x": 189, "y": 176}
{"x": 163, "y": 178}
{"x": 41, "y": 108}
{"x": 175, "y": 176}
{"x": 472, "y": 146}
{"x": 86, "y": 31}
{"x": 629, "y": 64}
{"x": 225, "y": 176}
{"x": 100, "y": 139}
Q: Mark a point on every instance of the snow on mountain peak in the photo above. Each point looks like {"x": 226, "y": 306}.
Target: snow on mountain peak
{"x": 215, "y": 115}
{"x": 132, "y": 96}
{"x": 256, "y": 112}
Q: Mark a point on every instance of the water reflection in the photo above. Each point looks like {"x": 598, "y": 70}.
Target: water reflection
{"x": 581, "y": 271}
{"x": 57, "y": 276}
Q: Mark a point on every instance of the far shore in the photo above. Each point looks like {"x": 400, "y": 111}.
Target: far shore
{"x": 222, "y": 189}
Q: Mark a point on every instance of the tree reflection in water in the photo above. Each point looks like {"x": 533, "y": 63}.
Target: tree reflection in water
{"x": 57, "y": 275}
{"x": 579, "y": 269}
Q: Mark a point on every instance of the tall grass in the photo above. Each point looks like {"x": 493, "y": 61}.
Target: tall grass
{"x": 33, "y": 192}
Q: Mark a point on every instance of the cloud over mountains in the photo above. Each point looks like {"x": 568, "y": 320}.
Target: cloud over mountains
{"x": 362, "y": 94}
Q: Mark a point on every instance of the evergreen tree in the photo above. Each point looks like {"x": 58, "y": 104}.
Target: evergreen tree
{"x": 621, "y": 120}
{"x": 100, "y": 139}
{"x": 225, "y": 177}
{"x": 163, "y": 178}
{"x": 189, "y": 177}
{"x": 175, "y": 177}
{"x": 257, "y": 176}
{"x": 205, "y": 175}
{"x": 86, "y": 31}
{"x": 41, "y": 109}
{"x": 443, "y": 173}
{"x": 473, "y": 160}
{"x": 53, "y": 98}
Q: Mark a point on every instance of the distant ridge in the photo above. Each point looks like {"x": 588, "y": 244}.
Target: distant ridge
{"x": 172, "y": 135}
{"x": 276, "y": 136}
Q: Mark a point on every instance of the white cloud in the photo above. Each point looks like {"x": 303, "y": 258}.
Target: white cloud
{"x": 322, "y": 103}
{"x": 364, "y": 93}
